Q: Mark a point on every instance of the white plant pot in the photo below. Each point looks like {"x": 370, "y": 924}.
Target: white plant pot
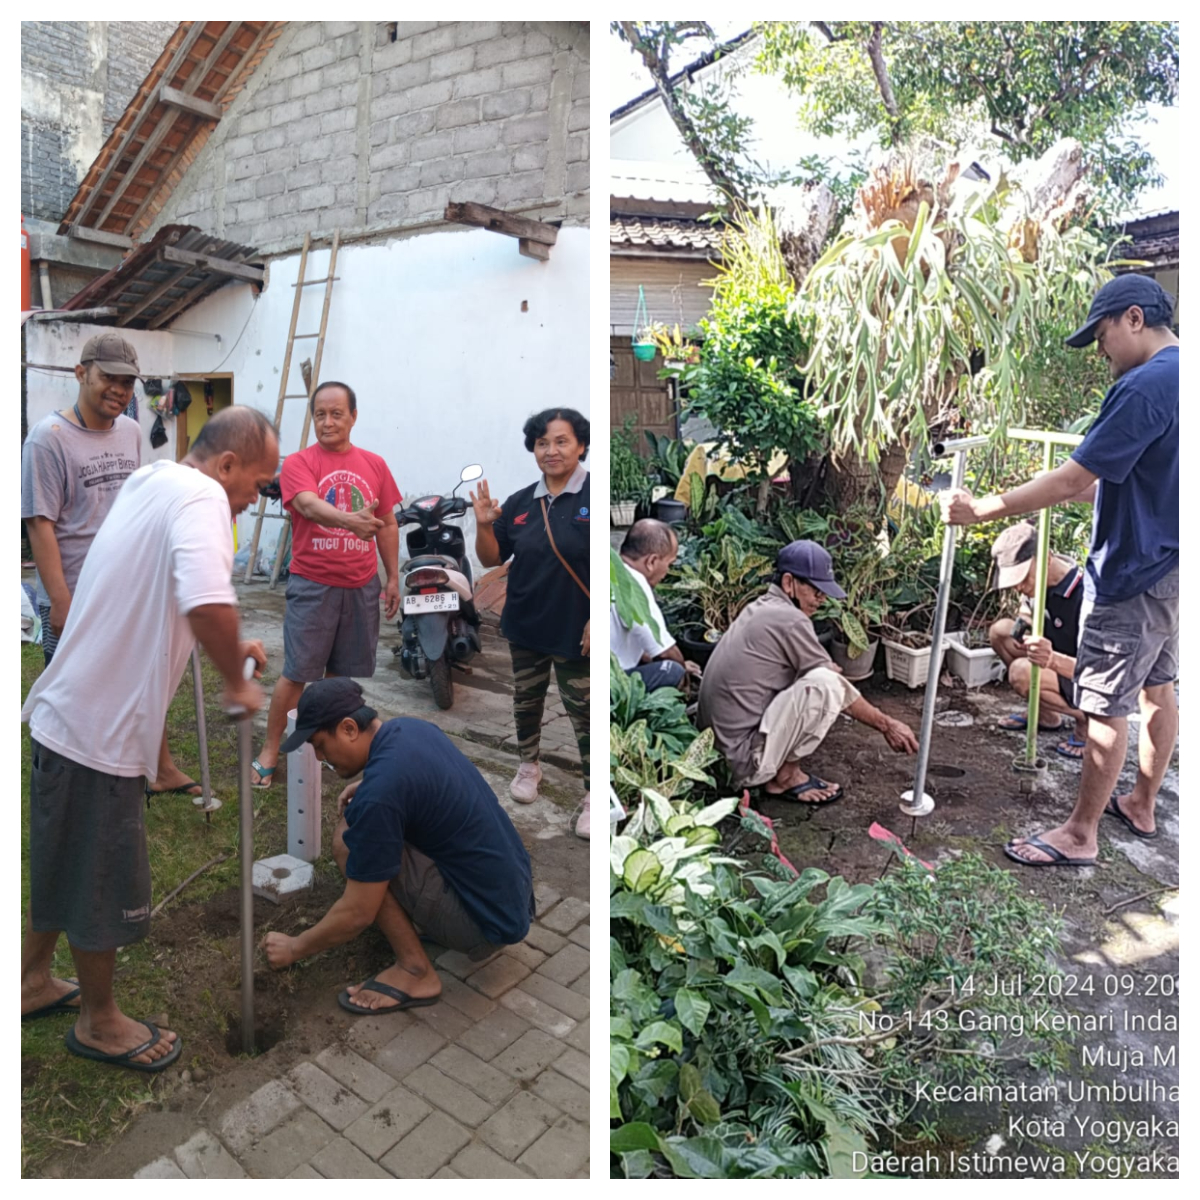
{"x": 907, "y": 666}
{"x": 854, "y": 669}
{"x": 973, "y": 667}
{"x": 623, "y": 512}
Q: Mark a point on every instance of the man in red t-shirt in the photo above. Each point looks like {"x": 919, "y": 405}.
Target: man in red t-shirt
{"x": 342, "y": 500}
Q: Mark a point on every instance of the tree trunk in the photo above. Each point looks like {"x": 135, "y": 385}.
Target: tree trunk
{"x": 852, "y": 480}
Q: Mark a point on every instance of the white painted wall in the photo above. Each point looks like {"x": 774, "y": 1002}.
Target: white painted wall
{"x": 429, "y": 332}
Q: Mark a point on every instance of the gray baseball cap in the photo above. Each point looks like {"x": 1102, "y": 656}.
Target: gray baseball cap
{"x": 112, "y": 354}
{"x": 1012, "y": 552}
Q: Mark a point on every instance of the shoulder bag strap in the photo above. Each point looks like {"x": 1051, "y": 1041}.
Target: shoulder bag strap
{"x": 546, "y": 522}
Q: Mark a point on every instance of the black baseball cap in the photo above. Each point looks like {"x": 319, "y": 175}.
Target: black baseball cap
{"x": 1012, "y": 552}
{"x": 1122, "y": 293}
{"x": 808, "y": 560}
{"x": 324, "y": 703}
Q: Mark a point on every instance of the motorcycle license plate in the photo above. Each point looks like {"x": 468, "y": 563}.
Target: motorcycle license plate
{"x": 433, "y": 602}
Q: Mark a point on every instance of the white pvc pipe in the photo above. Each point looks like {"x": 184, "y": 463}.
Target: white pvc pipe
{"x": 303, "y": 800}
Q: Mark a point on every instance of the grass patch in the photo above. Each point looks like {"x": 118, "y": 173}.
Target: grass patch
{"x": 66, "y": 1102}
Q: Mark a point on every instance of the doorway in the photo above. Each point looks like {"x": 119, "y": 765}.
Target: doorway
{"x": 210, "y": 394}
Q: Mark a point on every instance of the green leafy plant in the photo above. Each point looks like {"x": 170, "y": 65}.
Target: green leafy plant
{"x": 668, "y": 458}
{"x": 628, "y": 477}
{"x": 725, "y": 578}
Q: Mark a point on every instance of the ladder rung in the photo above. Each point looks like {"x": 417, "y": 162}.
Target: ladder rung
{"x": 297, "y": 396}
{"x": 311, "y": 282}
{"x": 298, "y": 336}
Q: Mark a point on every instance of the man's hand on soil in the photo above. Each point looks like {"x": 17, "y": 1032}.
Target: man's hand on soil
{"x": 899, "y": 736}
{"x": 280, "y": 950}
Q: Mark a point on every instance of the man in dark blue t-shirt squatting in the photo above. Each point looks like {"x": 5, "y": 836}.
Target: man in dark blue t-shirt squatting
{"x": 1128, "y": 659}
{"x": 425, "y": 847}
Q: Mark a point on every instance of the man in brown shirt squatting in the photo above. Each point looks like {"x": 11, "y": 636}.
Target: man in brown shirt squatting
{"x": 771, "y": 693}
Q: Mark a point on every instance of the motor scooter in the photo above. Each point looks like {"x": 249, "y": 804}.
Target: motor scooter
{"x": 439, "y": 628}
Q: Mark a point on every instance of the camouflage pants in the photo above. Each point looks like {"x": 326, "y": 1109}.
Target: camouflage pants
{"x": 531, "y": 678}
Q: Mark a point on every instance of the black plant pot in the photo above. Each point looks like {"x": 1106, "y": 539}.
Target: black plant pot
{"x": 671, "y": 511}
{"x": 695, "y": 649}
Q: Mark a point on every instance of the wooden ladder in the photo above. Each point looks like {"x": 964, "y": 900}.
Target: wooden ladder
{"x": 311, "y": 381}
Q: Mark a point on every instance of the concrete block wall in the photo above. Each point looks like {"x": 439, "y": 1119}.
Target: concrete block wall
{"x": 76, "y": 79}
{"x": 357, "y": 124}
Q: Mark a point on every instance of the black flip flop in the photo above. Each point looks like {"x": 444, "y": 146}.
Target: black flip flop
{"x": 61, "y": 1005}
{"x": 814, "y": 784}
{"x": 126, "y": 1059}
{"x": 1074, "y": 743}
{"x": 1057, "y": 857}
{"x": 384, "y": 989}
{"x": 1113, "y": 810}
{"x": 184, "y": 789}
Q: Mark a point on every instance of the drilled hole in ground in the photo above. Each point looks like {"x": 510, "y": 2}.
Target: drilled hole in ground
{"x": 946, "y": 772}
{"x": 268, "y": 1031}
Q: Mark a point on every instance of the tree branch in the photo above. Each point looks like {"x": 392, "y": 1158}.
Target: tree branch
{"x": 875, "y": 54}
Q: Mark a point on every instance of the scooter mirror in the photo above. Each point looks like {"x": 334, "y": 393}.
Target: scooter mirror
{"x": 474, "y": 471}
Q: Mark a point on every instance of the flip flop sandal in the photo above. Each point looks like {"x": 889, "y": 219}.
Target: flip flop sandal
{"x": 1072, "y": 743}
{"x": 1057, "y": 857}
{"x": 384, "y": 989}
{"x": 265, "y": 775}
{"x": 61, "y": 1005}
{"x": 1114, "y": 810}
{"x": 1019, "y": 720}
{"x": 814, "y": 784}
{"x": 126, "y": 1059}
{"x": 184, "y": 789}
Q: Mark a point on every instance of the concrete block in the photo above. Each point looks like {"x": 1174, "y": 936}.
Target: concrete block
{"x": 460, "y": 112}
{"x": 429, "y": 95}
{"x": 479, "y": 1162}
{"x": 448, "y": 1021}
{"x": 313, "y": 151}
{"x": 339, "y": 170}
{"x": 536, "y": 42}
{"x": 339, "y": 120}
{"x": 531, "y": 956}
{"x": 494, "y": 1086}
{"x": 160, "y": 1168}
{"x": 346, "y": 46}
{"x": 525, "y": 71}
{"x": 518, "y": 1124}
{"x": 322, "y": 101}
{"x": 466, "y": 1000}
{"x": 564, "y": 1094}
{"x": 559, "y": 1152}
{"x": 251, "y": 1119}
{"x": 281, "y": 159}
{"x": 499, "y": 50}
{"x": 544, "y": 898}
{"x": 434, "y": 41}
{"x": 246, "y": 189}
{"x": 305, "y": 37}
{"x": 578, "y": 147}
{"x": 534, "y": 127}
{"x": 401, "y": 78}
{"x": 432, "y": 145}
{"x": 269, "y": 139}
{"x": 581, "y": 83}
{"x": 477, "y": 83}
{"x": 318, "y": 56}
{"x": 539, "y": 98}
{"x": 399, "y": 180}
{"x": 580, "y": 118}
{"x": 470, "y": 33}
{"x": 379, "y": 134}
{"x": 566, "y": 966}
{"x": 343, "y": 71}
{"x": 449, "y": 1095}
{"x": 304, "y": 84}
{"x": 538, "y": 1013}
{"x": 273, "y": 93}
{"x": 574, "y": 1066}
{"x": 329, "y": 1099}
{"x": 470, "y": 138}
{"x": 527, "y": 185}
{"x": 451, "y": 63}
{"x": 506, "y": 104}
{"x": 392, "y": 54}
{"x": 545, "y": 940}
{"x": 409, "y": 29}
{"x": 389, "y": 104}
{"x": 412, "y": 125}
{"x": 440, "y": 170}
{"x": 282, "y": 877}
{"x": 581, "y": 935}
{"x": 289, "y": 110}
{"x": 239, "y": 147}
{"x": 477, "y": 191}
{"x": 321, "y": 196}
{"x": 499, "y": 975}
{"x": 529, "y": 158}
{"x": 294, "y": 1142}
{"x": 339, "y": 29}
{"x": 431, "y": 1145}
{"x": 409, "y": 1050}
{"x": 394, "y": 155}
{"x": 355, "y": 1072}
{"x": 531, "y": 1054}
{"x": 495, "y": 1033}
{"x": 203, "y": 1157}
{"x": 246, "y": 213}
{"x": 344, "y": 1160}
{"x": 388, "y": 208}
{"x": 579, "y": 177}
{"x": 387, "y": 1121}
{"x": 445, "y": 1173}
{"x": 565, "y": 916}
{"x": 304, "y": 176}
{"x": 459, "y": 964}
{"x": 489, "y": 162}
{"x": 286, "y": 68}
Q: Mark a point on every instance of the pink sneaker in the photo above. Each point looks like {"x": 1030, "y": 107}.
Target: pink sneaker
{"x": 583, "y": 827}
{"x": 524, "y": 789}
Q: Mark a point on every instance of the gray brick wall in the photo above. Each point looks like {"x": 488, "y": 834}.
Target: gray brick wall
{"x": 347, "y": 125}
{"x": 77, "y": 78}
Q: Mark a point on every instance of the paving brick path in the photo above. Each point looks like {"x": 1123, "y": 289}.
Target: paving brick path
{"x": 490, "y": 1083}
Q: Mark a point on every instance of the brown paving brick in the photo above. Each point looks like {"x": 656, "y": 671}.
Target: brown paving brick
{"x": 353, "y": 1071}
{"x": 563, "y": 1093}
{"x": 494, "y": 1033}
{"x": 583, "y": 985}
{"x": 332, "y": 1101}
{"x": 581, "y": 935}
{"x": 447, "y": 1021}
{"x": 449, "y": 1095}
{"x": 554, "y": 994}
{"x": 498, "y": 976}
{"x": 257, "y": 1115}
{"x": 563, "y": 917}
{"x": 294, "y": 1142}
{"x": 545, "y": 940}
{"x": 467, "y": 1000}
{"x": 431, "y": 1145}
{"x": 538, "y": 1013}
{"x": 566, "y": 966}
{"x": 580, "y": 1037}
{"x": 387, "y": 1121}
{"x": 524, "y": 953}
{"x": 530, "y": 1054}
{"x": 408, "y": 1051}
{"x": 459, "y": 964}
{"x": 559, "y": 1152}
{"x": 344, "y": 1160}
{"x": 574, "y": 1066}
{"x": 520, "y": 1122}
{"x": 477, "y": 1161}
{"x": 494, "y": 1086}
{"x": 366, "y": 1035}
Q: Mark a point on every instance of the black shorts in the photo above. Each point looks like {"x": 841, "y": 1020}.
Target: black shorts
{"x": 89, "y": 870}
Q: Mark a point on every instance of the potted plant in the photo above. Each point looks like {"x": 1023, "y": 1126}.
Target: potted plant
{"x": 628, "y": 481}
{"x": 644, "y": 347}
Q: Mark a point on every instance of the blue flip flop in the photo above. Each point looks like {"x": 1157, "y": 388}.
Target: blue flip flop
{"x": 61, "y": 1005}
{"x": 1074, "y": 743}
{"x": 1020, "y": 721}
{"x": 814, "y": 784}
{"x": 265, "y": 774}
{"x": 384, "y": 989}
{"x": 126, "y": 1059}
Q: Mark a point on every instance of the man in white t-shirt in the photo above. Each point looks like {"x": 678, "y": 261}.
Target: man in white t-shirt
{"x": 648, "y": 551}
{"x": 97, "y": 712}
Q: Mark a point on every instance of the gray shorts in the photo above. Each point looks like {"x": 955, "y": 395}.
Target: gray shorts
{"x": 1127, "y": 646}
{"x": 89, "y": 871}
{"x": 329, "y": 630}
{"x": 435, "y": 908}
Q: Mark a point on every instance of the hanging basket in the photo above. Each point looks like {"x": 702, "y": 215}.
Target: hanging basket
{"x": 644, "y": 350}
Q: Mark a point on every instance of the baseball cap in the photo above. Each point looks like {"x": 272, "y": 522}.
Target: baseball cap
{"x": 1119, "y": 294}
{"x": 112, "y": 354}
{"x": 323, "y": 703}
{"x": 1012, "y": 552}
{"x": 807, "y": 560}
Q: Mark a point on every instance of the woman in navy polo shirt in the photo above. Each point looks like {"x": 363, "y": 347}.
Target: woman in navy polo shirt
{"x": 543, "y": 529}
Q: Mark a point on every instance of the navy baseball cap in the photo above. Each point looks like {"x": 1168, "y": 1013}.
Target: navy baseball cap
{"x": 324, "y": 703}
{"x": 1122, "y": 293}
{"x": 807, "y": 560}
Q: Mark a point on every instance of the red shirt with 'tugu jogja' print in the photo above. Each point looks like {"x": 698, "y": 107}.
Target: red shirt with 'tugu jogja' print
{"x": 350, "y": 482}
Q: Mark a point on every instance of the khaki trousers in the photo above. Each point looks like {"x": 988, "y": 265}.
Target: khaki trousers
{"x": 797, "y": 720}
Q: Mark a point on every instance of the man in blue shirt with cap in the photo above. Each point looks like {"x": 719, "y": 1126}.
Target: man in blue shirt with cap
{"x": 1128, "y": 655}
{"x": 771, "y": 693}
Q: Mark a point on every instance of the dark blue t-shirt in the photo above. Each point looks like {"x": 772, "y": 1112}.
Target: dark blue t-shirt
{"x": 1133, "y": 446}
{"x": 418, "y": 787}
